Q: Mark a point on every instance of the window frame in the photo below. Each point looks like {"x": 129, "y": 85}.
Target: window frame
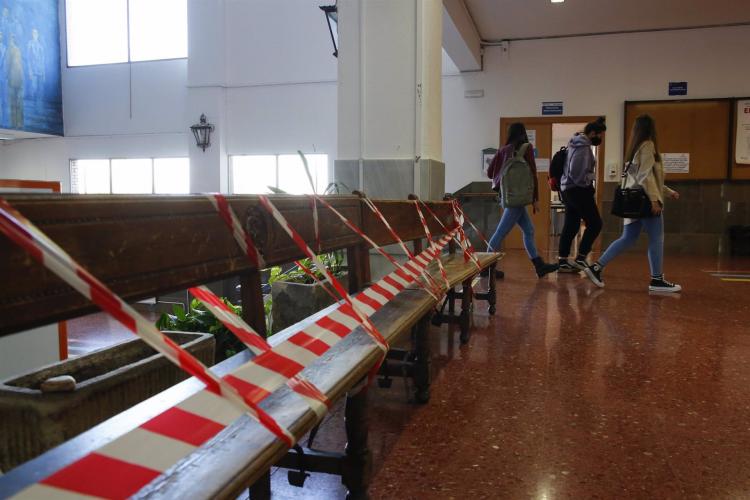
{"x": 152, "y": 159}
{"x": 276, "y": 156}
{"x": 127, "y": 14}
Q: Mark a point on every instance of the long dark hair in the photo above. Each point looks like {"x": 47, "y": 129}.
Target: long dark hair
{"x": 517, "y": 135}
{"x": 644, "y": 129}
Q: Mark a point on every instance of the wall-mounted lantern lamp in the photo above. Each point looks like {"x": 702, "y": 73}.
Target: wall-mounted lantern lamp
{"x": 202, "y": 132}
{"x": 332, "y": 18}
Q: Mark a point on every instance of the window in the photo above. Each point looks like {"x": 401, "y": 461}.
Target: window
{"x": 256, "y": 174}
{"x": 131, "y": 176}
{"x": 118, "y": 31}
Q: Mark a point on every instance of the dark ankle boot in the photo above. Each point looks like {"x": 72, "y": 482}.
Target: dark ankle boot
{"x": 542, "y": 268}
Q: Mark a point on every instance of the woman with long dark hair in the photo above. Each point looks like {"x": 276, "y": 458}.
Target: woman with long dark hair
{"x": 517, "y": 140}
{"x": 643, "y": 168}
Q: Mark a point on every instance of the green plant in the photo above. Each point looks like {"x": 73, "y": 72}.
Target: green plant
{"x": 334, "y": 261}
{"x": 199, "y": 319}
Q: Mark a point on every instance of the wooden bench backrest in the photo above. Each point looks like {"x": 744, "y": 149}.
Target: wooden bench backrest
{"x": 142, "y": 246}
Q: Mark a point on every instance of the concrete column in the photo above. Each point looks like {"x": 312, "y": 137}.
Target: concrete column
{"x": 389, "y": 97}
{"x": 206, "y": 94}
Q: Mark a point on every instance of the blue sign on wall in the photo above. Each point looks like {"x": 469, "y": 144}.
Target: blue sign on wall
{"x": 677, "y": 88}
{"x": 552, "y": 108}
{"x": 30, "y": 92}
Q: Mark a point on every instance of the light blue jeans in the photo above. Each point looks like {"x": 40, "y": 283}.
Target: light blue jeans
{"x": 654, "y": 227}
{"x": 511, "y": 217}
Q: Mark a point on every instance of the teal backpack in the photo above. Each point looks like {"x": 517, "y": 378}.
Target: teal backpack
{"x": 517, "y": 183}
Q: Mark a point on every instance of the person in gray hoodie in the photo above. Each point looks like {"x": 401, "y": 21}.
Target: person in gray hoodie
{"x": 578, "y": 195}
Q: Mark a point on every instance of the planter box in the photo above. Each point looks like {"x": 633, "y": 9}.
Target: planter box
{"x": 108, "y": 382}
{"x": 293, "y": 302}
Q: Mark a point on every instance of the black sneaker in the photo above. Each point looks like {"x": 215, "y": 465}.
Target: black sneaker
{"x": 567, "y": 267}
{"x": 580, "y": 263}
{"x": 594, "y": 272}
{"x": 664, "y": 286}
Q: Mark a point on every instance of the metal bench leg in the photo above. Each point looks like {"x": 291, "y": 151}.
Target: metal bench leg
{"x": 422, "y": 376}
{"x": 357, "y": 467}
{"x": 261, "y": 489}
{"x": 466, "y": 309}
{"x": 492, "y": 292}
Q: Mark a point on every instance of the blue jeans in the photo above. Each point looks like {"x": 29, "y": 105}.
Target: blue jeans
{"x": 654, "y": 227}
{"x": 511, "y": 217}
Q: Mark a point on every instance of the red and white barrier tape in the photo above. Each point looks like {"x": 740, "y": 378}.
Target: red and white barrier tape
{"x": 468, "y": 250}
{"x": 330, "y": 278}
{"x": 465, "y": 217}
{"x": 379, "y": 214}
{"x": 243, "y": 239}
{"x": 22, "y": 232}
{"x": 318, "y": 401}
{"x": 377, "y": 247}
{"x": 122, "y": 467}
{"x": 432, "y": 243}
{"x": 141, "y": 455}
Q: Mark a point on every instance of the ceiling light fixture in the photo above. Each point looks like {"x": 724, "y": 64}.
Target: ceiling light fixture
{"x": 557, "y": 1}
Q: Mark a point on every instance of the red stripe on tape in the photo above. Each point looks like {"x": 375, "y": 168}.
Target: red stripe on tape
{"x": 18, "y": 234}
{"x": 382, "y": 291}
{"x": 305, "y": 388}
{"x": 279, "y": 364}
{"x": 395, "y": 284}
{"x": 193, "y": 366}
{"x": 315, "y": 346}
{"x": 101, "y": 476}
{"x": 333, "y": 326}
{"x": 183, "y": 426}
{"x": 406, "y": 276}
{"x": 102, "y": 297}
{"x": 250, "y": 392}
{"x": 363, "y": 298}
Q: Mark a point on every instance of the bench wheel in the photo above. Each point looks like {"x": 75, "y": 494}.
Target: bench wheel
{"x": 385, "y": 382}
{"x": 297, "y": 478}
{"x": 422, "y": 396}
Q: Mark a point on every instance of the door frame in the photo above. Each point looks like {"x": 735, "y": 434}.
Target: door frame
{"x": 550, "y": 120}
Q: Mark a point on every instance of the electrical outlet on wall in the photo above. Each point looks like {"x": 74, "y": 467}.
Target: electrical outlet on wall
{"x": 612, "y": 169}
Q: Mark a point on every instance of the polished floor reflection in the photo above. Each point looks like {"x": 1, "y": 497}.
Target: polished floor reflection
{"x": 575, "y": 392}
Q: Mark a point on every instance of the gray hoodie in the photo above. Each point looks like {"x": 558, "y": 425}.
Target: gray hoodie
{"x": 580, "y": 164}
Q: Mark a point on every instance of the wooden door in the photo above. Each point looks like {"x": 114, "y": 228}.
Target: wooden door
{"x": 542, "y": 127}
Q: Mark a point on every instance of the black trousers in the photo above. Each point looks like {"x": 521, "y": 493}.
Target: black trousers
{"x": 580, "y": 204}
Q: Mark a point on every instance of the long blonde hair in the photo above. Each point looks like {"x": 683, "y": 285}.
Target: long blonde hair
{"x": 644, "y": 129}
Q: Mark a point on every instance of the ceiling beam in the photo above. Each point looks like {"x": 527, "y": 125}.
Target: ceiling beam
{"x": 461, "y": 39}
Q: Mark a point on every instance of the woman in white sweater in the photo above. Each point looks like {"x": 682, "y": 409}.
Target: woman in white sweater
{"x": 645, "y": 170}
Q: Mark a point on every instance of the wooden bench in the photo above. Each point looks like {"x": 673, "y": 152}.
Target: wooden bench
{"x": 144, "y": 246}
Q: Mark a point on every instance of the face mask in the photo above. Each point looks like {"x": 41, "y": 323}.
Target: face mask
{"x": 596, "y": 141}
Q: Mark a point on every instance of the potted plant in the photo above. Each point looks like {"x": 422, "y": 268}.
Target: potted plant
{"x": 295, "y": 295}
{"x": 199, "y": 319}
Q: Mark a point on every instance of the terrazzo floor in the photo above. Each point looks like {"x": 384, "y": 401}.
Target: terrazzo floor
{"x": 569, "y": 391}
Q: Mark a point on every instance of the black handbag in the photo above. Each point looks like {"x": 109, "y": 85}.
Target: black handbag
{"x": 630, "y": 203}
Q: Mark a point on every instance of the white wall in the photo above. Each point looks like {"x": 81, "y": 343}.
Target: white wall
{"x": 272, "y": 62}
{"x": 281, "y": 78}
{"x": 593, "y": 76}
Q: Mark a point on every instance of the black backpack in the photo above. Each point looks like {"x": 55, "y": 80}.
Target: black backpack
{"x": 556, "y": 169}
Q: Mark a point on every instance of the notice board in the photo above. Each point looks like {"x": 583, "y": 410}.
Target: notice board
{"x": 694, "y": 134}
{"x": 741, "y": 139}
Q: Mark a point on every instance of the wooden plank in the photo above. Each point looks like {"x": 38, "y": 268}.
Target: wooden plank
{"x": 142, "y": 246}
{"x": 403, "y": 218}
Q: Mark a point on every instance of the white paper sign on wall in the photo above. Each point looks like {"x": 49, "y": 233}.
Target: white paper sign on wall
{"x": 542, "y": 164}
{"x": 676, "y": 163}
{"x": 743, "y": 133}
